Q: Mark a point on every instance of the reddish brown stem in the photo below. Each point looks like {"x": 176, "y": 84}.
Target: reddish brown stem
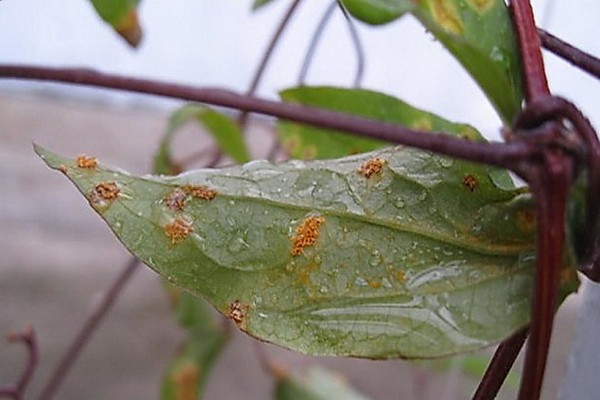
{"x": 28, "y": 338}
{"x": 570, "y": 53}
{"x": 536, "y": 83}
{"x": 498, "y": 154}
{"x": 85, "y": 334}
{"x": 500, "y": 365}
{"x": 550, "y": 182}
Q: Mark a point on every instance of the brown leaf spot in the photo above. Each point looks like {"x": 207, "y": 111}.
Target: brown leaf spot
{"x": 104, "y": 191}
{"x": 237, "y": 312}
{"x": 200, "y": 192}
{"x": 83, "y": 161}
{"x": 185, "y": 379}
{"x": 178, "y": 230}
{"x": 526, "y": 220}
{"x": 306, "y": 233}
{"x": 400, "y": 276}
{"x": 371, "y": 167}
{"x": 63, "y": 168}
{"x": 470, "y": 182}
{"x": 175, "y": 200}
{"x": 446, "y": 16}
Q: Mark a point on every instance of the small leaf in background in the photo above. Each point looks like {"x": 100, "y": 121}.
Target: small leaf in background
{"x": 306, "y": 142}
{"x": 393, "y": 253}
{"x": 478, "y": 33}
{"x": 259, "y": 3}
{"x": 378, "y": 12}
{"x": 122, "y": 16}
{"x": 187, "y": 373}
{"x": 225, "y": 131}
{"x": 315, "y": 384}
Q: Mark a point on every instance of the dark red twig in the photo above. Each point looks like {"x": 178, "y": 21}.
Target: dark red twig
{"x": 536, "y": 83}
{"x": 500, "y": 365}
{"x": 498, "y": 154}
{"x": 83, "y": 337}
{"x": 28, "y": 338}
{"x": 570, "y": 53}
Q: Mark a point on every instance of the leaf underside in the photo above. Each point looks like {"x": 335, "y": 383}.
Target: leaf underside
{"x": 394, "y": 253}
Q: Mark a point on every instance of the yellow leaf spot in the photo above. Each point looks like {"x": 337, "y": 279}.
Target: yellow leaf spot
{"x": 400, "y": 276}
{"x": 178, "y": 230}
{"x": 306, "y": 233}
{"x": 104, "y": 191}
{"x": 422, "y": 124}
{"x": 371, "y": 167}
{"x": 175, "y": 200}
{"x": 470, "y": 182}
{"x": 83, "y": 161}
{"x": 129, "y": 28}
{"x": 200, "y": 192}
{"x": 185, "y": 378}
{"x": 481, "y": 6}
{"x": 446, "y": 16}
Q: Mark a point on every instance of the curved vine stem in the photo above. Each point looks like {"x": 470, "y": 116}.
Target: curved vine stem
{"x": 28, "y": 338}
{"x": 506, "y": 155}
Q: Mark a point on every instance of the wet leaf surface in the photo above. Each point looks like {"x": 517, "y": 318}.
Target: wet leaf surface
{"x": 385, "y": 254}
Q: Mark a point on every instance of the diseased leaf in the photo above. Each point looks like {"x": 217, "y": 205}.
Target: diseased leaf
{"x": 315, "y": 384}
{"x": 122, "y": 16}
{"x": 394, "y": 253}
{"x": 479, "y": 33}
{"x": 226, "y": 133}
{"x": 306, "y": 142}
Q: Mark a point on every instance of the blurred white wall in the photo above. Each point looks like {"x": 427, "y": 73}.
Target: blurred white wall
{"x": 218, "y": 43}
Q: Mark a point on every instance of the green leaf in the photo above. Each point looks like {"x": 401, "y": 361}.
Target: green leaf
{"x": 378, "y": 12}
{"x": 188, "y": 371}
{"x": 394, "y": 253}
{"x": 259, "y": 3}
{"x": 306, "y": 142}
{"x": 479, "y": 33}
{"x": 315, "y": 384}
{"x": 226, "y": 133}
{"x": 122, "y": 16}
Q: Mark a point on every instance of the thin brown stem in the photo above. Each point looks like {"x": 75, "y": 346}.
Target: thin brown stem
{"x": 536, "y": 83}
{"x": 260, "y": 70}
{"x": 28, "y": 338}
{"x": 499, "y": 154}
{"x": 500, "y": 365}
{"x": 570, "y": 53}
{"x": 83, "y": 337}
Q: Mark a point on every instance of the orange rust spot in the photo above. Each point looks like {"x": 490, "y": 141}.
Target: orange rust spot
{"x": 237, "y": 312}
{"x": 446, "y": 16}
{"x": 200, "y": 192}
{"x": 83, "y": 161}
{"x": 371, "y": 167}
{"x": 374, "y": 284}
{"x": 307, "y": 233}
{"x": 178, "y": 230}
{"x": 175, "y": 200}
{"x": 104, "y": 191}
{"x": 470, "y": 182}
{"x": 400, "y": 276}
{"x": 185, "y": 379}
